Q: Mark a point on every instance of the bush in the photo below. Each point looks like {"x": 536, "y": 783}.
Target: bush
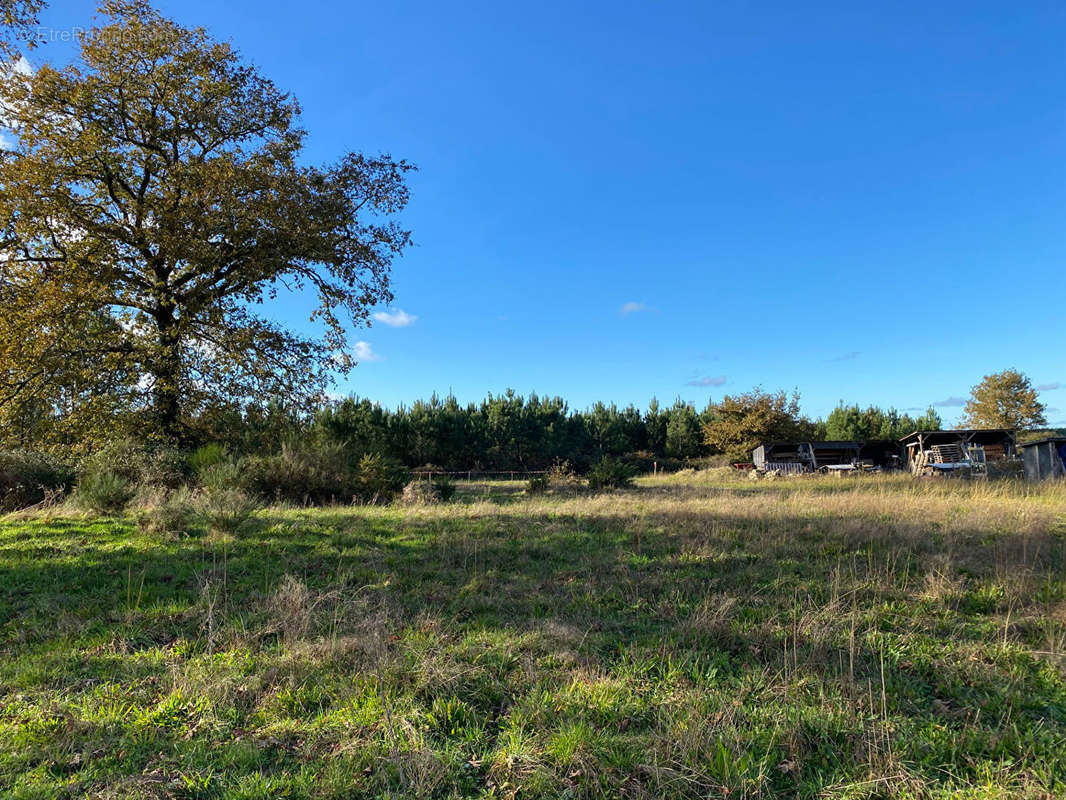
{"x": 103, "y": 491}
{"x": 225, "y": 510}
{"x": 561, "y": 475}
{"x": 445, "y": 488}
{"x": 379, "y": 480}
{"x": 320, "y": 474}
{"x": 538, "y": 484}
{"x": 611, "y": 474}
{"x": 28, "y": 478}
{"x": 227, "y": 474}
{"x": 164, "y": 514}
{"x": 304, "y": 475}
{"x": 138, "y": 464}
{"x": 207, "y": 456}
{"x": 420, "y": 492}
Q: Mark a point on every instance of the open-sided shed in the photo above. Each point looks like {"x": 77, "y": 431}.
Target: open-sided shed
{"x": 1044, "y": 458}
{"x": 941, "y": 452}
{"x": 804, "y": 456}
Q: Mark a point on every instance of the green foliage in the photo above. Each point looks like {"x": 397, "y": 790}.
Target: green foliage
{"x": 379, "y": 479}
{"x": 228, "y": 474}
{"x": 1004, "y": 399}
{"x": 610, "y": 473}
{"x": 182, "y": 170}
{"x": 304, "y": 474}
{"x": 165, "y": 514}
{"x": 26, "y": 478}
{"x": 739, "y": 423}
{"x": 684, "y": 436}
{"x": 850, "y": 423}
{"x": 103, "y": 491}
{"x": 207, "y": 456}
{"x": 225, "y": 510}
{"x": 138, "y": 464}
{"x": 420, "y": 492}
{"x": 538, "y": 484}
{"x": 445, "y": 487}
{"x": 646, "y": 461}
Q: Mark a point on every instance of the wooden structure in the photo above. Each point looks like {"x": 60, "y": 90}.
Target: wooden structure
{"x": 791, "y": 458}
{"x": 966, "y": 452}
{"x": 1044, "y": 458}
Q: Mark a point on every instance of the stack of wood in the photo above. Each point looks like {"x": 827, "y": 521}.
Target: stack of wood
{"x": 947, "y": 454}
{"x": 995, "y": 452}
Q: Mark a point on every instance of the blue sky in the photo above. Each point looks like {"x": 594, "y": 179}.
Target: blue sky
{"x": 624, "y": 200}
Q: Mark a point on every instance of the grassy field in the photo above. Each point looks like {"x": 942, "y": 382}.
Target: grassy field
{"x": 696, "y": 636}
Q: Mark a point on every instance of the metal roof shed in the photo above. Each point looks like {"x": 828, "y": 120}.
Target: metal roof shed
{"x": 1044, "y": 458}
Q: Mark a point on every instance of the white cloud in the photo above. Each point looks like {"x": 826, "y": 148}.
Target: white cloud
{"x": 950, "y": 402}
{"x": 1049, "y": 387}
{"x": 22, "y": 66}
{"x": 632, "y": 308}
{"x": 362, "y": 351}
{"x": 716, "y": 380}
{"x": 395, "y": 319}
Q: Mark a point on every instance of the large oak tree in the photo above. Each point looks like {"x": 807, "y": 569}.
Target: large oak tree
{"x": 154, "y": 204}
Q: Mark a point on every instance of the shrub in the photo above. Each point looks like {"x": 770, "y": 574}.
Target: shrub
{"x": 138, "y": 464}
{"x": 103, "y": 491}
{"x": 445, "y": 488}
{"x": 561, "y": 475}
{"x": 420, "y": 492}
{"x": 611, "y": 474}
{"x": 304, "y": 474}
{"x": 163, "y": 513}
{"x": 28, "y": 478}
{"x": 227, "y": 474}
{"x": 207, "y": 456}
{"x": 424, "y": 491}
{"x": 225, "y": 510}
{"x": 538, "y": 484}
{"x": 379, "y": 479}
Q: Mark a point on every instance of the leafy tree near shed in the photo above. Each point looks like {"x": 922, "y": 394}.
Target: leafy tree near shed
{"x": 157, "y": 183}
{"x": 739, "y": 423}
{"x": 1004, "y": 400}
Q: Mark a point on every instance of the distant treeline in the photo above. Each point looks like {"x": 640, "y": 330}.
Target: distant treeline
{"x": 512, "y": 432}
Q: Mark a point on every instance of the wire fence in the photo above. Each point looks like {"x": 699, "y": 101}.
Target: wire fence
{"x": 480, "y": 474}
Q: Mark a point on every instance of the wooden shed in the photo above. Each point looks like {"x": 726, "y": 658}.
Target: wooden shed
{"x": 792, "y": 457}
{"x": 1044, "y": 458}
{"x": 960, "y": 451}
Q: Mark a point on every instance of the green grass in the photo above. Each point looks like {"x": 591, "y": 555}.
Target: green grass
{"x": 696, "y": 636}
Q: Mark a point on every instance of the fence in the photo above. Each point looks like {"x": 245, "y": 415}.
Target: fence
{"x": 484, "y": 474}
